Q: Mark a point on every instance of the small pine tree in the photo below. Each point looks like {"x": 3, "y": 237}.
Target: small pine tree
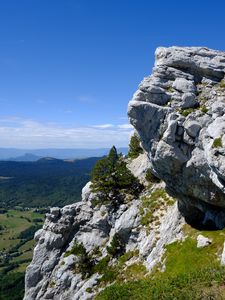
{"x": 134, "y": 147}
{"x": 111, "y": 177}
{"x": 113, "y": 156}
{"x": 103, "y": 174}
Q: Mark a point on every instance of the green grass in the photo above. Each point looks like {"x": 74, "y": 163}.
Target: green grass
{"x": 119, "y": 271}
{"x": 186, "y": 112}
{"x": 217, "y": 143}
{"x": 170, "y": 89}
{"x": 222, "y": 84}
{"x": 14, "y": 222}
{"x": 202, "y": 284}
{"x": 191, "y": 273}
{"x": 151, "y": 203}
{"x": 204, "y": 109}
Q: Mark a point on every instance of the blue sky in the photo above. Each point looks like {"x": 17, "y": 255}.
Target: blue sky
{"x": 69, "y": 67}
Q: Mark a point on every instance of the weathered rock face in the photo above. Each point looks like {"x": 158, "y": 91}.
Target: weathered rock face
{"x": 179, "y": 114}
{"x": 52, "y": 273}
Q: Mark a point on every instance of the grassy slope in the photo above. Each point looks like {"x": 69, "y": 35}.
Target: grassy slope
{"x": 191, "y": 273}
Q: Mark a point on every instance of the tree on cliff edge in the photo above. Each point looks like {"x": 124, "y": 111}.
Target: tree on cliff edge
{"x": 111, "y": 177}
{"x": 134, "y": 147}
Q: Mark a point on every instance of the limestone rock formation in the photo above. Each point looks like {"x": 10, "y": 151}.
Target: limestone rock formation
{"x": 179, "y": 114}
{"x": 53, "y": 272}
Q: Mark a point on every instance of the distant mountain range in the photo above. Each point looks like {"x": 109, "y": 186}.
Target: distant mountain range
{"x": 13, "y": 154}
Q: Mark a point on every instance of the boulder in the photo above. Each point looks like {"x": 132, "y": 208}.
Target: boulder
{"x": 203, "y": 241}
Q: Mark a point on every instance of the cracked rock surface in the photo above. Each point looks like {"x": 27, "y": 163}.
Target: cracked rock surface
{"x": 52, "y": 273}
{"x": 179, "y": 114}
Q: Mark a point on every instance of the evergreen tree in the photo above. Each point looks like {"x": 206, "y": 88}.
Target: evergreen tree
{"x": 111, "y": 177}
{"x": 113, "y": 156}
{"x": 134, "y": 147}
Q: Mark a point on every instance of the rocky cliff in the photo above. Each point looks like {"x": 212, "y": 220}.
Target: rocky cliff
{"x": 178, "y": 113}
{"x": 55, "y": 271}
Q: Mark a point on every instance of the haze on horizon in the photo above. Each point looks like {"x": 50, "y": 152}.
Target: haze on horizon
{"x": 68, "y": 68}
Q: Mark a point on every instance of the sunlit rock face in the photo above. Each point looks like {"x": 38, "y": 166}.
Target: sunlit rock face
{"x": 179, "y": 114}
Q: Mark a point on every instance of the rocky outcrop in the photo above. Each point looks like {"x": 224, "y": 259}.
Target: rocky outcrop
{"x": 179, "y": 114}
{"x": 52, "y": 273}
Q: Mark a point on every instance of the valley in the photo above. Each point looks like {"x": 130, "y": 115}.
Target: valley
{"x": 17, "y": 227}
{"x": 46, "y": 182}
{"x": 27, "y": 190}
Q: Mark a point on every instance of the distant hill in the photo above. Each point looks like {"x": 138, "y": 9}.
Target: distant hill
{"x": 25, "y": 157}
{"x": 46, "y": 182}
{"x": 32, "y": 155}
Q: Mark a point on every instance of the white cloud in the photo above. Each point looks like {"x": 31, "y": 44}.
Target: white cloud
{"x": 125, "y": 126}
{"x": 26, "y": 133}
{"x": 103, "y": 126}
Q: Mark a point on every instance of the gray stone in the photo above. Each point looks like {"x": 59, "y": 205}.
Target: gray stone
{"x": 189, "y": 100}
{"x": 184, "y": 85}
{"x": 183, "y": 152}
{"x": 178, "y": 148}
{"x": 139, "y": 166}
{"x": 192, "y": 128}
{"x": 203, "y": 241}
{"x": 128, "y": 220}
{"x": 86, "y": 191}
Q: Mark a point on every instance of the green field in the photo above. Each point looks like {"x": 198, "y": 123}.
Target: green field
{"x": 17, "y": 228}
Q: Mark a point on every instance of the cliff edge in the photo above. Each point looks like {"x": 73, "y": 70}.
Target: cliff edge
{"x": 132, "y": 243}
{"x": 179, "y": 114}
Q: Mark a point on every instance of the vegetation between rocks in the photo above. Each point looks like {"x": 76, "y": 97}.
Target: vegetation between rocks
{"x": 134, "y": 147}
{"x": 151, "y": 203}
{"x": 113, "y": 180}
{"x": 217, "y": 143}
{"x": 190, "y": 273}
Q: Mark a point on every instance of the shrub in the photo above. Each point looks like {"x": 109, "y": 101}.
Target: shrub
{"x": 217, "y": 143}
{"x": 85, "y": 265}
{"x": 222, "y": 84}
{"x": 78, "y": 249}
{"x": 102, "y": 265}
{"x": 186, "y": 112}
{"x": 204, "y": 109}
{"x": 117, "y": 247}
{"x": 150, "y": 177}
{"x": 134, "y": 147}
{"x": 108, "y": 272}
